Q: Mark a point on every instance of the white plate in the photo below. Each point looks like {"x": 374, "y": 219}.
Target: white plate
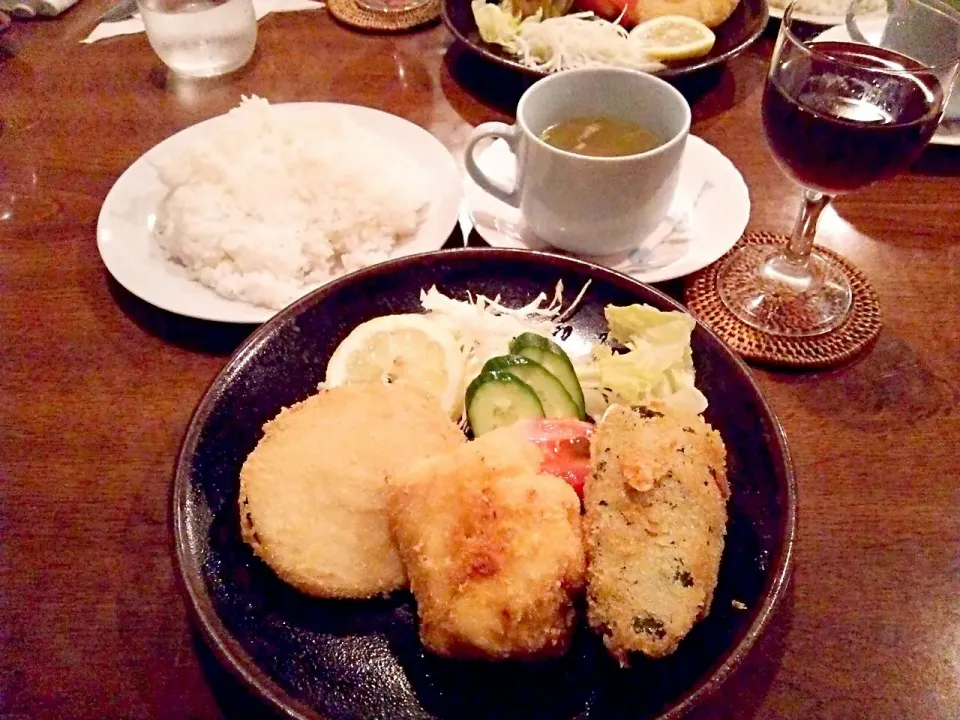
{"x": 124, "y": 228}
{"x": 813, "y": 18}
{"x": 948, "y": 133}
{"x": 776, "y": 12}
{"x": 708, "y": 215}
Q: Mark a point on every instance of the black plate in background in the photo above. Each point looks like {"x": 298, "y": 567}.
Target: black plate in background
{"x": 734, "y": 35}
{"x": 340, "y": 659}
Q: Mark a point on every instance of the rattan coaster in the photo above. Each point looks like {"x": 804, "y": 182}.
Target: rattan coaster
{"x": 846, "y": 342}
{"x": 349, "y": 13}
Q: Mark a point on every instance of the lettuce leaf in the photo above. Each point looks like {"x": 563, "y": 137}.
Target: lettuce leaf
{"x": 657, "y": 367}
{"x": 498, "y": 25}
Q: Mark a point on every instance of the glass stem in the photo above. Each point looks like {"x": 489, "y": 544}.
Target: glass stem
{"x": 801, "y": 242}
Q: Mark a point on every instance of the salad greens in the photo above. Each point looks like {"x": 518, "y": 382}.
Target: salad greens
{"x": 647, "y": 359}
{"x": 657, "y": 367}
{"x": 550, "y": 41}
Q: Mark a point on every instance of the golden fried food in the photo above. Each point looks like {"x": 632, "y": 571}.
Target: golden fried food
{"x": 654, "y": 524}
{"x": 313, "y": 492}
{"x": 633, "y": 12}
{"x": 710, "y": 12}
{"x": 493, "y": 550}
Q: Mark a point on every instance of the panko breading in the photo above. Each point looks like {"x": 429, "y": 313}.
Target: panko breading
{"x": 493, "y": 549}
{"x": 654, "y": 524}
{"x": 710, "y": 12}
{"x": 313, "y": 492}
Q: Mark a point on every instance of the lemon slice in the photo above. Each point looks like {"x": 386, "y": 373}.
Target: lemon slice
{"x": 410, "y": 350}
{"x": 673, "y": 37}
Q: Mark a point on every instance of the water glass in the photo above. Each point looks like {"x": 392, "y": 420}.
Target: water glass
{"x": 200, "y": 38}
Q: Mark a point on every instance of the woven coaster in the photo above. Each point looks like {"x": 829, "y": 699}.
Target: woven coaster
{"x": 820, "y": 351}
{"x": 349, "y": 13}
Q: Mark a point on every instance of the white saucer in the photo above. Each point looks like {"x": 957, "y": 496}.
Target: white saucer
{"x": 708, "y": 215}
{"x": 124, "y": 228}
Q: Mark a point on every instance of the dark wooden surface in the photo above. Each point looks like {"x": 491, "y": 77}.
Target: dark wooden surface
{"x": 96, "y": 388}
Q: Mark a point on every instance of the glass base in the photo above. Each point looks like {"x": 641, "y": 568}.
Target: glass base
{"x": 767, "y": 291}
{"x": 391, "y": 6}
{"x": 195, "y": 73}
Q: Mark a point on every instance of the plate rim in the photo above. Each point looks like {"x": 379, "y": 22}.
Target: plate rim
{"x": 252, "y": 314}
{"x": 227, "y": 648}
{"x": 660, "y": 274}
{"x": 942, "y": 140}
{"x": 668, "y": 72}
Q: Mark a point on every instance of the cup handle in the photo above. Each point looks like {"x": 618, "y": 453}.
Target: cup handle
{"x": 510, "y": 133}
{"x": 852, "y": 29}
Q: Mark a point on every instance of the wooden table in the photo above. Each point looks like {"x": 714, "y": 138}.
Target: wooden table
{"x": 96, "y": 387}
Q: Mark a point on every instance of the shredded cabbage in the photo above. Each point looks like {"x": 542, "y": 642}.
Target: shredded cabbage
{"x": 484, "y": 327}
{"x": 559, "y": 43}
{"x": 657, "y": 368}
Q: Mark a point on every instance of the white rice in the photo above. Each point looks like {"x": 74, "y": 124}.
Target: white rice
{"x": 268, "y": 206}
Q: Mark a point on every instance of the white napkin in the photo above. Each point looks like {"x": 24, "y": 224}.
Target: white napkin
{"x": 260, "y": 8}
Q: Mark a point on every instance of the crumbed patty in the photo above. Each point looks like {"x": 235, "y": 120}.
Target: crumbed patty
{"x": 710, "y": 12}
{"x": 493, "y": 549}
{"x": 313, "y": 492}
{"x": 655, "y": 519}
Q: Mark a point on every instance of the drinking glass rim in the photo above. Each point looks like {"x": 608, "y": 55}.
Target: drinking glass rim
{"x": 938, "y": 6}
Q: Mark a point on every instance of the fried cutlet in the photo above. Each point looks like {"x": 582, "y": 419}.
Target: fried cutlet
{"x": 655, "y": 519}
{"x": 313, "y": 492}
{"x": 493, "y": 550}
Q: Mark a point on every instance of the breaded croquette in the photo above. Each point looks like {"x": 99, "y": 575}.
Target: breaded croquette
{"x": 493, "y": 550}
{"x": 655, "y": 521}
{"x": 313, "y": 492}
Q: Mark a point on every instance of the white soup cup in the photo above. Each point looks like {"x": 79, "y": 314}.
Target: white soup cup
{"x": 581, "y": 204}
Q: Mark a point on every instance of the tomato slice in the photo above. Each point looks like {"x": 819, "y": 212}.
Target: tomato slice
{"x": 565, "y": 445}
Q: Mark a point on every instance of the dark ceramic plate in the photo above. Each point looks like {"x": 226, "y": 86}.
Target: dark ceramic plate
{"x": 362, "y": 660}
{"x": 733, "y": 36}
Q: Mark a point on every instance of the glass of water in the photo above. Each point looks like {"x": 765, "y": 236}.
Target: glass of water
{"x": 201, "y": 38}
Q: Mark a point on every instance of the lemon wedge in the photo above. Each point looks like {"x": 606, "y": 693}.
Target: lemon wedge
{"x": 673, "y": 37}
{"x": 410, "y": 350}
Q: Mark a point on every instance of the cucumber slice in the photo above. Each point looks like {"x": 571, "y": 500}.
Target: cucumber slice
{"x": 555, "y": 399}
{"x": 497, "y": 399}
{"x": 546, "y": 352}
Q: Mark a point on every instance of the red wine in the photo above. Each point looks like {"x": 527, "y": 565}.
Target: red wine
{"x": 835, "y": 126}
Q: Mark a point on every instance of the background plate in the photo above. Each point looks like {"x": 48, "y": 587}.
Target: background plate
{"x": 363, "y": 660}
{"x": 809, "y": 18}
{"x": 733, "y": 36}
{"x": 124, "y": 228}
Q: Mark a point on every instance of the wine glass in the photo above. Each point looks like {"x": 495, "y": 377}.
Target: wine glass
{"x": 839, "y": 114}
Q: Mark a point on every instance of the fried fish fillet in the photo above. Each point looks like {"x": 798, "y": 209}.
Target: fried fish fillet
{"x": 655, "y": 520}
{"x": 493, "y": 550}
{"x": 313, "y": 492}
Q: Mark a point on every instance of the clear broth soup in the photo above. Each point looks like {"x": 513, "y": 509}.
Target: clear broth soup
{"x": 600, "y": 136}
